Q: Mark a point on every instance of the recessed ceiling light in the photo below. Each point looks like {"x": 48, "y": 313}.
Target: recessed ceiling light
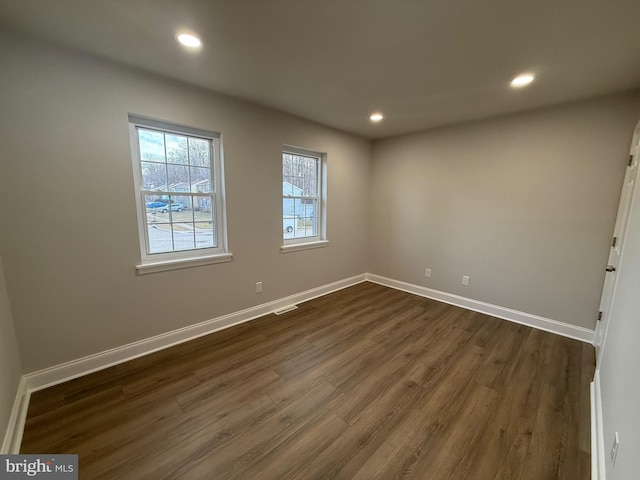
{"x": 376, "y": 117}
{"x": 189, "y": 40}
{"x": 522, "y": 80}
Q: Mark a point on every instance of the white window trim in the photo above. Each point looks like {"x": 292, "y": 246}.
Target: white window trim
{"x": 155, "y": 262}
{"x": 319, "y": 240}
{"x": 304, "y": 246}
{"x": 154, "y": 267}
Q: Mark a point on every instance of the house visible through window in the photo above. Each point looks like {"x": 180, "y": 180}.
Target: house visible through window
{"x": 302, "y": 196}
{"x": 178, "y": 185}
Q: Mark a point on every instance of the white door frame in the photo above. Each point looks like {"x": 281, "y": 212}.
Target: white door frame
{"x": 617, "y": 244}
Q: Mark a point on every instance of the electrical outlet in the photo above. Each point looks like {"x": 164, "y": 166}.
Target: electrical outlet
{"x": 465, "y": 280}
{"x": 614, "y": 448}
{"x": 258, "y": 287}
{"x": 427, "y": 272}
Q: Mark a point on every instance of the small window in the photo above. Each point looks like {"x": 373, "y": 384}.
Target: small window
{"x": 303, "y": 196}
{"x": 178, "y": 173}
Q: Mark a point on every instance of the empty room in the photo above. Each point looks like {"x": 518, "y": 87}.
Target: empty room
{"x": 341, "y": 239}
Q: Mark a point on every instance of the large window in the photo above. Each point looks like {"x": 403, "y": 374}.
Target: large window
{"x": 303, "y": 196}
{"x": 178, "y": 175}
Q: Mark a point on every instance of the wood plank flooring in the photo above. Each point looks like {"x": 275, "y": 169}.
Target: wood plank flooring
{"x": 366, "y": 383}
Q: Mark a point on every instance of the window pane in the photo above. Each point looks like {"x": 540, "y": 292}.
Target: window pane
{"x": 311, "y": 227}
{"x": 199, "y": 152}
{"x": 289, "y": 224}
{"x": 307, "y": 225}
{"x": 154, "y": 176}
{"x": 153, "y": 204}
{"x": 178, "y": 177}
{"x": 287, "y": 186}
{"x": 183, "y": 237}
{"x": 203, "y": 205}
{"x": 177, "y": 149}
{"x": 160, "y": 238}
{"x": 288, "y": 207}
{"x": 292, "y": 185}
{"x": 172, "y": 209}
{"x": 308, "y": 208}
{"x": 200, "y": 179}
{"x": 205, "y": 234}
{"x": 205, "y": 237}
{"x": 181, "y": 210}
{"x": 158, "y": 226}
{"x": 301, "y": 172}
{"x": 203, "y": 216}
{"x": 299, "y": 218}
{"x": 151, "y": 145}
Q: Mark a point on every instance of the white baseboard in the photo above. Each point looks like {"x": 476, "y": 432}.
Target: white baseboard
{"x": 541, "y": 323}
{"x": 598, "y": 471}
{"x": 15, "y": 428}
{"x": 99, "y": 361}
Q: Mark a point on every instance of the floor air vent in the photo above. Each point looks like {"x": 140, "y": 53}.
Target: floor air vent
{"x": 282, "y": 310}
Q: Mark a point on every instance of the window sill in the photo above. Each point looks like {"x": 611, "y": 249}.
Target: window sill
{"x": 295, "y": 247}
{"x": 182, "y": 263}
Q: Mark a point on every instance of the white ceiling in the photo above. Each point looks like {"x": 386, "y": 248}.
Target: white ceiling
{"x": 423, "y": 63}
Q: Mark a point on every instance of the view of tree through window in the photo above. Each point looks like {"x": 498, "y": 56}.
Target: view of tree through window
{"x": 300, "y": 195}
{"x": 178, "y": 191}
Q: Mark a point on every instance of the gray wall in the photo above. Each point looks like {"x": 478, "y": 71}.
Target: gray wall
{"x": 71, "y": 245}
{"x": 10, "y": 368}
{"x": 619, "y": 380}
{"x": 524, "y": 204}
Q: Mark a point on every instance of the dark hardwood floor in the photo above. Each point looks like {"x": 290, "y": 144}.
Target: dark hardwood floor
{"x": 365, "y": 383}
